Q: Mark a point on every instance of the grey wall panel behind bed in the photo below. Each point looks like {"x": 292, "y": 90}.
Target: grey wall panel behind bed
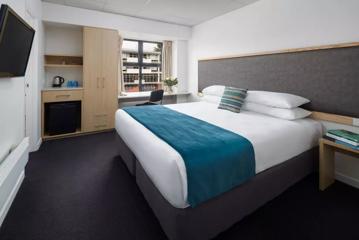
{"x": 328, "y": 77}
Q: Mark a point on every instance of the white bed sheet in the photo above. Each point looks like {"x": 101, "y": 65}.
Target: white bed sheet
{"x": 274, "y": 141}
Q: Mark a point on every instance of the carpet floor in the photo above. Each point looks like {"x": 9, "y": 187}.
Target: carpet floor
{"x": 79, "y": 189}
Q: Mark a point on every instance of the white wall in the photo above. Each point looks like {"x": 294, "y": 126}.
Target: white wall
{"x": 33, "y": 105}
{"x": 273, "y": 25}
{"x": 179, "y": 67}
{"x": 36, "y": 142}
{"x": 12, "y": 110}
{"x": 12, "y": 90}
{"x": 180, "y": 58}
{"x": 63, "y": 39}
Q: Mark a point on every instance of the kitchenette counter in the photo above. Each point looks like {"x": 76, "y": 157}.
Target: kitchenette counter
{"x": 61, "y": 88}
{"x": 60, "y": 96}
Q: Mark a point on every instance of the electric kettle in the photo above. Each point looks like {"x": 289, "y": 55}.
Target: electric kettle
{"x": 57, "y": 81}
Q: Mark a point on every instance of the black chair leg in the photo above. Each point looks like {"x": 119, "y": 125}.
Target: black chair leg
{"x": 146, "y": 104}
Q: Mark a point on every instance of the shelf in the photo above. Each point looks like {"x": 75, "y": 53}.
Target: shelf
{"x": 63, "y": 66}
{"x": 63, "y": 61}
{"x": 339, "y": 146}
{"x": 62, "y": 89}
{"x": 146, "y": 94}
{"x": 63, "y": 55}
{"x": 46, "y": 136}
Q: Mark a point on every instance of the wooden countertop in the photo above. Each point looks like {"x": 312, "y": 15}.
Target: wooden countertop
{"x": 61, "y": 88}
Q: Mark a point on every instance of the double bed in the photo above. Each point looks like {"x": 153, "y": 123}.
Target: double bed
{"x": 274, "y": 141}
{"x": 285, "y": 151}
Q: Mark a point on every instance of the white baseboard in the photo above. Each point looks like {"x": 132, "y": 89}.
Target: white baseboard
{"x": 11, "y": 197}
{"x": 37, "y": 146}
{"x": 346, "y": 179}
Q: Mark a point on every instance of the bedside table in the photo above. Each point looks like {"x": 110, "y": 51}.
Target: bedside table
{"x": 327, "y": 149}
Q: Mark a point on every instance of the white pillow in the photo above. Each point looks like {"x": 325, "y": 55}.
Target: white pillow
{"x": 276, "y": 99}
{"x": 211, "y": 99}
{"x": 283, "y": 113}
{"x": 214, "y": 90}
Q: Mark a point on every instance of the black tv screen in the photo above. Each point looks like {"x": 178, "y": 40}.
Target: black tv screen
{"x": 16, "y": 38}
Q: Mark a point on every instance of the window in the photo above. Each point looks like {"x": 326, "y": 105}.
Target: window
{"x": 141, "y": 65}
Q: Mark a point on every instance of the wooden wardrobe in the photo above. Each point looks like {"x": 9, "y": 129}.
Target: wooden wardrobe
{"x": 100, "y": 78}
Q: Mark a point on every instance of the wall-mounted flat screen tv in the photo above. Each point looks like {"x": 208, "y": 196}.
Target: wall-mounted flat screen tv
{"x": 16, "y": 38}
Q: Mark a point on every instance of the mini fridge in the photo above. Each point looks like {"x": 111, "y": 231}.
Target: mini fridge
{"x": 62, "y": 117}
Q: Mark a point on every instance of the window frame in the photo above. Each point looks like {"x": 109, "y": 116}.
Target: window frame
{"x": 140, "y": 62}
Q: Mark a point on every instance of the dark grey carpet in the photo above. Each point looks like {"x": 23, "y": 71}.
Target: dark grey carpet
{"x": 78, "y": 188}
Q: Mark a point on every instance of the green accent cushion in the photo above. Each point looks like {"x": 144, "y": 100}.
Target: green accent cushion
{"x": 233, "y": 99}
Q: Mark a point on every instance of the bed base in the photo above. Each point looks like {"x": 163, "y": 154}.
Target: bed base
{"x": 216, "y": 215}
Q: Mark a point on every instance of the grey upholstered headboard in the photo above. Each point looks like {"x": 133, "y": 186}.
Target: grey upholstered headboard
{"x": 327, "y": 75}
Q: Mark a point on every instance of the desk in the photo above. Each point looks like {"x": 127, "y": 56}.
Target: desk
{"x": 136, "y": 95}
{"x": 327, "y": 149}
{"x": 134, "y": 98}
{"x": 53, "y": 95}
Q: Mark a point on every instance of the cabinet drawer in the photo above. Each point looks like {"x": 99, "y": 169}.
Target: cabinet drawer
{"x": 62, "y": 95}
{"x": 100, "y": 121}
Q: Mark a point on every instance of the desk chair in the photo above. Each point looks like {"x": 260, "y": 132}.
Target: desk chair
{"x": 156, "y": 96}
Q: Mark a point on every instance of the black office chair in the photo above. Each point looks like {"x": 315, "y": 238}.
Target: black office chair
{"x": 156, "y": 96}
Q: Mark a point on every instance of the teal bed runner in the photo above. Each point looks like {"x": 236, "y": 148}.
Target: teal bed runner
{"x": 216, "y": 159}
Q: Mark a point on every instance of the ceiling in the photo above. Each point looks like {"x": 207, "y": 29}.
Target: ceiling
{"x": 184, "y": 12}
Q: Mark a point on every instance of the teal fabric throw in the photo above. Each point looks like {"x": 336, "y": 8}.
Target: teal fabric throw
{"x": 216, "y": 159}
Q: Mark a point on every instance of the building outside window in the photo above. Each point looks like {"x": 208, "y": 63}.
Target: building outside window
{"x": 141, "y": 65}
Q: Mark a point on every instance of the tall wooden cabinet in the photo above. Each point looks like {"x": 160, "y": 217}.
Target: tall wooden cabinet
{"x": 100, "y": 78}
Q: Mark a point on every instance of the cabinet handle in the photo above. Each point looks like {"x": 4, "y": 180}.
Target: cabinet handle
{"x": 101, "y": 115}
{"x": 99, "y": 126}
{"x": 103, "y": 82}
{"x": 65, "y": 95}
{"x": 98, "y": 82}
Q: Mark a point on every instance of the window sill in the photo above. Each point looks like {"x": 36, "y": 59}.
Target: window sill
{"x": 126, "y": 95}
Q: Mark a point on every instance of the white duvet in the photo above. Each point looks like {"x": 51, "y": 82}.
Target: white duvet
{"x": 274, "y": 141}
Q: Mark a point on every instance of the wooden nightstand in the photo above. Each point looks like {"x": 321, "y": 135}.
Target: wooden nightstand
{"x": 327, "y": 149}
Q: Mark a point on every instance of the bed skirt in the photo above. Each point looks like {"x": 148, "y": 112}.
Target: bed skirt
{"x": 218, "y": 214}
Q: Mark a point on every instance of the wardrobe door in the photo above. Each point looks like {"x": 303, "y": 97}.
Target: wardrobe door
{"x": 92, "y": 79}
{"x": 100, "y": 78}
{"x": 110, "y": 74}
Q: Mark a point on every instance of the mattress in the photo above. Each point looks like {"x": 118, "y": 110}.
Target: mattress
{"x": 274, "y": 141}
